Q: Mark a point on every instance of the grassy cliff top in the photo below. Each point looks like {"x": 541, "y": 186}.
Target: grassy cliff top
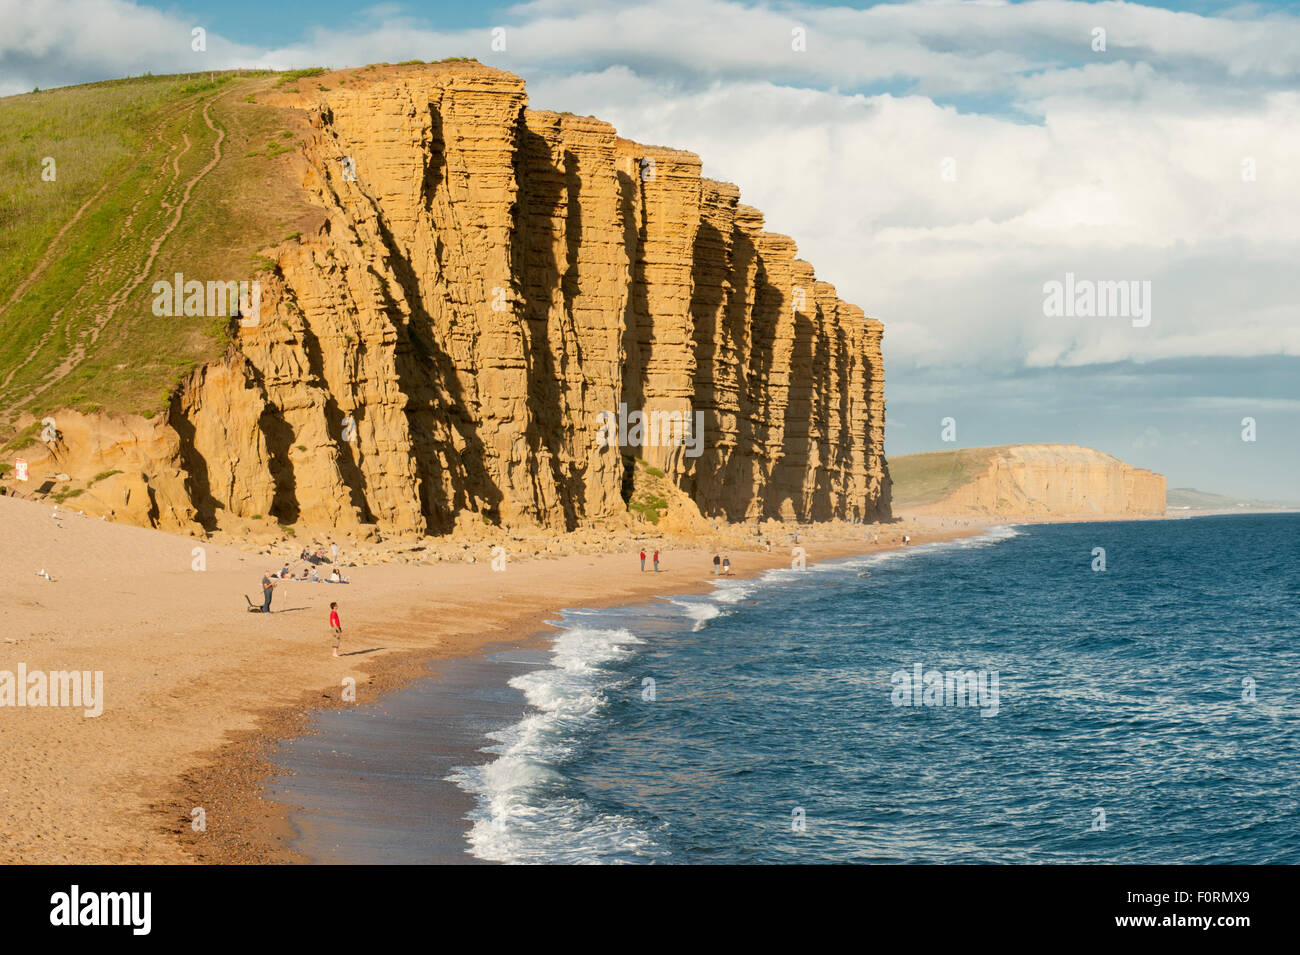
{"x": 926, "y": 478}
{"x": 1189, "y": 498}
{"x": 107, "y": 188}
{"x": 110, "y": 187}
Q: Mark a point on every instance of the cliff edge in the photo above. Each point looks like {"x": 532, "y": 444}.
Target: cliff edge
{"x": 1026, "y": 481}
{"x": 481, "y": 289}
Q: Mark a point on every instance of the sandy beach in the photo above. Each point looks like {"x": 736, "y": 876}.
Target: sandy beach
{"x": 196, "y": 689}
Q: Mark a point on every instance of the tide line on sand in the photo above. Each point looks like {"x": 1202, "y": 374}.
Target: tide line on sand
{"x": 172, "y": 640}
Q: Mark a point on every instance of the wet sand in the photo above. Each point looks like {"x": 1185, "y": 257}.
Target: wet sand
{"x": 370, "y": 784}
{"x": 198, "y": 692}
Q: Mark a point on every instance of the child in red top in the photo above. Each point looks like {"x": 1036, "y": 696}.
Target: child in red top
{"x": 643, "y": 562}
{"x": 336, "y": 626}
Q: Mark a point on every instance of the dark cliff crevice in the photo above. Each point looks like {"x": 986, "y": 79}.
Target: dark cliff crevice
{"x": 490, "y": 282}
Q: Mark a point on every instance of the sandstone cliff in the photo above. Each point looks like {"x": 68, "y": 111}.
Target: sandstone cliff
{"x": 1028, "y": 481}
{"x": 484, "y": 281}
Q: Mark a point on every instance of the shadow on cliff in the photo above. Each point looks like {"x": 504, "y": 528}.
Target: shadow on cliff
{"x": 704, "y": 478}
{"x": 450, "y": 481}
{"x": 350, "y": 472}
{"x": 636, "y": 311}
{"x": 545, "y": 189}
{"x": 766, "y": 312}
{"x": 792, "y": 477}
{"x": 840, "y": 446}
{"x": 196, "y": 467}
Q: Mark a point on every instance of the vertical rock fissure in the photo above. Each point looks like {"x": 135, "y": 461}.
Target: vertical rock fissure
{"x": 487, "y": 280}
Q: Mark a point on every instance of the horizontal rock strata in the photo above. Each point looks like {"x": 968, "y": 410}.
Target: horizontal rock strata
{"x": 1054, "y": 480}
{"x": 486, "y": 281}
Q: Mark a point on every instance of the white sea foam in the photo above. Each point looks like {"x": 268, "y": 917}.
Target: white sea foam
{"x": 700, "y": 611}
{"x": 719, "y": 603}
{"x": 993, "y": 535}
{"x": 527, "y": 810}
{"x": 734, "y": 591}
{"x": 524, "y": 812}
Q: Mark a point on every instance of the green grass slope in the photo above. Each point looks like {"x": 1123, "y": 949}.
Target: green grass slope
{"x": 1188, "y": 498}
{"x": 920, "y": 479}
{"x": 152, "y": 176}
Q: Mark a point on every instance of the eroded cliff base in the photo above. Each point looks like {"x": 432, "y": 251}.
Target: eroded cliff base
{"x": 477, "y": 285}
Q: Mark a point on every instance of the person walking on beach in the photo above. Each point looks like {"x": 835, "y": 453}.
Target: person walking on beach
{"x": 268, "y": 588}
{"x": 335, "y": 625}
{"x": 726, "y": 566}
{"x": 656, "y": 562}
{"x": 716, "y": 561}
{"x": 643, "y": 562}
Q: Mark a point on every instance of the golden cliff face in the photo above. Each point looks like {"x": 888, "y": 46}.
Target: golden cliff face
{"x": 485, "y": 282}
{"x": 1055, "y": 480}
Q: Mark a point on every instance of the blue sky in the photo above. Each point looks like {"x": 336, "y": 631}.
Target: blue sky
{"x": 250, "y": 21}
{"x": 941, "y": 162}
{"x": 268, "y": 24}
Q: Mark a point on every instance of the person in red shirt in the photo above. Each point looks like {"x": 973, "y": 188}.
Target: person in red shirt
{"x": 656, "y": 562}
{"x": 335, "y": 626}
{"x": 643, "y": 562}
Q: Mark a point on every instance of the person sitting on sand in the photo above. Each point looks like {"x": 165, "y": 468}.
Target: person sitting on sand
{"x": 304, "y": 574}
{"x": 336, "y": 577}
{"x": 315, "y": 577}
{"x": 285, "y": 572}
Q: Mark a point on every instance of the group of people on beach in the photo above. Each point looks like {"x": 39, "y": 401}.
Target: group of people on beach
{"x": 721, "y": 565}
{"x": 310, "y": 575}
{"x": 268, "y": 588}
{"x": 318, "y": 556}
{"x": 284, "y": 573}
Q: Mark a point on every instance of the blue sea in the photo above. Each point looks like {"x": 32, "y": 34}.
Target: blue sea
{"x": 1147, "y": 712}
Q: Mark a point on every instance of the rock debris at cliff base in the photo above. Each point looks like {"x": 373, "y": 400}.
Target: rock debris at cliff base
{"x": 485, "y": 281}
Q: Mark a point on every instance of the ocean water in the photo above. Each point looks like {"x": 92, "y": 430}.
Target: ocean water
{"x": 1147, "y": 713}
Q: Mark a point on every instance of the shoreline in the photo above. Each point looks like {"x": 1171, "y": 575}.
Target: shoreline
{"x": 280, "y": 811}
{"x": 236, "y": 779}
{"x": 198, "y": 692}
